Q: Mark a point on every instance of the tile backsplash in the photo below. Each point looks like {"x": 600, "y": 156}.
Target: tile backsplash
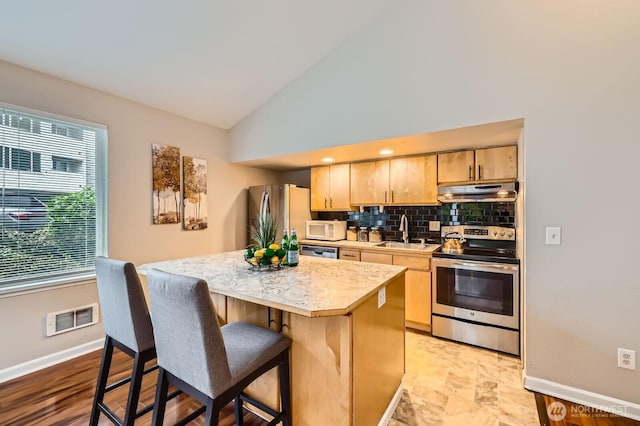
{"x": 490, "y": 214}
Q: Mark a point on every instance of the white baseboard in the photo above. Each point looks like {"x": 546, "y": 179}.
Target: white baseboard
{"x": 49, "y": 360}
{"x": 391, "y": 408}
{"x": 583, "y": 397}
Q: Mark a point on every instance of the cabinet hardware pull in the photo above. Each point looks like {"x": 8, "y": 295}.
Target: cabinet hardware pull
{"x": 470, "y": 173}
{"x": 479, "y": 172}
{"x": 392, "y": 195}
{"x": 348, "y": 255}
{"x": 330, "y": 203}
{"x": 385, "y": 197}
{"x": 325, "y": 203}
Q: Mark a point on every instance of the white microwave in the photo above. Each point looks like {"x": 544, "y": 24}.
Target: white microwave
{"x": 328, "y": 230}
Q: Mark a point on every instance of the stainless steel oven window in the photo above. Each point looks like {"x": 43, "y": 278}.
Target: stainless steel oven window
{"x": 472, "y": 291}
{"x": 483, "y": 291}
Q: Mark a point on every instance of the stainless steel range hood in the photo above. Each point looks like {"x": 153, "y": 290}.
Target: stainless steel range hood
{"x": 489, "y": 192}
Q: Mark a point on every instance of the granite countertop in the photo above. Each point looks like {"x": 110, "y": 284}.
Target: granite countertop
{"x": 316, "y": 287}
{"x": 430, "y": 248}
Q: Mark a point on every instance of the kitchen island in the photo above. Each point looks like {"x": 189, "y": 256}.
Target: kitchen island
{"x": 346, "y": 321}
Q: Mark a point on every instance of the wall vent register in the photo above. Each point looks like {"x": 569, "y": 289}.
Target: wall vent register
{"x": 72, "y": 319}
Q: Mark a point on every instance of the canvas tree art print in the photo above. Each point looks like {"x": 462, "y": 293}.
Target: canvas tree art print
{"x": 195, "y": 193}
{"x": 166, "y": 184}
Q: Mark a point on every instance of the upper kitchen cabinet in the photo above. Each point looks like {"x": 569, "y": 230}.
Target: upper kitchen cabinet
{"x": 399, "y": 181}
{"x": 497, "y": 163}
{"x": 413, "y": 180}
{"x": 370, "y": 183}
{"x": 330, "y": 187}
{"x": 480, "y": 165}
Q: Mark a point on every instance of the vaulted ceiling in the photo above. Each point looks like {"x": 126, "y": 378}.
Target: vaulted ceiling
{"x": 214, "y": 61}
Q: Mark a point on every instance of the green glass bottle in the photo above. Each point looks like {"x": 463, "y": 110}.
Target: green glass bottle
{"x": 284, "y": 245}
{"x": 293, "y": 254}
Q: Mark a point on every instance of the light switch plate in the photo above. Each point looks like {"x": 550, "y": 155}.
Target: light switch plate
{"x": 434, "y": 225}
{"x": 553, "y": 235}
{"x": 382, "y": 297}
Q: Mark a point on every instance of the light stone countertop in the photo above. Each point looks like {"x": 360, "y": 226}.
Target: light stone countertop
{"x": 316, "y": 287}
{"x": 430, "y": 248}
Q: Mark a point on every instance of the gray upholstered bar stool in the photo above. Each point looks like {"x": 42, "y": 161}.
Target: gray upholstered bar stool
{"x": 127, "y": 326}
{"x": 213, "y": 364}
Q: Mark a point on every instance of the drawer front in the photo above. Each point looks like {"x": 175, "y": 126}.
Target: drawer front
{"x": 376, "y": 258}
{"x": 349, "y": 255}
{"x": 413, "y": 262}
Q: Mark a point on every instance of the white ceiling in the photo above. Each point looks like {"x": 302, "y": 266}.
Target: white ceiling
{"x": 479, "y": 136}
{"x": 214, "y": 61}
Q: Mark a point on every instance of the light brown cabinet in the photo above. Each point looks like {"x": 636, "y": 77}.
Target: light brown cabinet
{"x": 371, "y": 257}
{"x": 345, "y": 254}
{"x": 417, "y": 290}
{"x": 413, "y": 180}
{"x": 417, "y": 284}
{"x": 399, "y": 181}
{"x": 480, "y": 165}
{"x": 330, "y": 187}
{"x": 497, "y": 163}
{"x": 370, "y": 183}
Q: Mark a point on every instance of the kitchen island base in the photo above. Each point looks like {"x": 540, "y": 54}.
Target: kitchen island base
{"x": 346, "y": 321}
{"x": 345, "y": 369}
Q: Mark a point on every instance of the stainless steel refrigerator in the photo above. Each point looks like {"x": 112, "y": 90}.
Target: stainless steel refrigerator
{"x": 290, "y": 204}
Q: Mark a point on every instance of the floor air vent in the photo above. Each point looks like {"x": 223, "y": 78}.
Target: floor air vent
{"x": 71, "y": 319}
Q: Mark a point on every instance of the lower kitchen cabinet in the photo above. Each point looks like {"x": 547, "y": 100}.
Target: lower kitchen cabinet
{"x": 418, "y": 302}
{"x": 371, "y": 257}
{"x": 345, "y": 254}
{"x": 418, "y": 290}
{"x": 417, "y": 284}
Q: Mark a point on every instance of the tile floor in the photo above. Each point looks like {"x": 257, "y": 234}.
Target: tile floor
{"x": 448, "y": 383}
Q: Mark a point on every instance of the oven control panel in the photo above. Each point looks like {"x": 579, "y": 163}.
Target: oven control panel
{"x": 480, "y": 232}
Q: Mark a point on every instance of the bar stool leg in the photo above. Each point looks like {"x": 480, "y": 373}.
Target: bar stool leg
{"x": 103, "y": 375}
{"x": 239, "y": 411}
{"x": 212, "y": 414}
{"x": 285, "y": 389}
{"x": 134, "y": 389}
{"x": 161, "y": 398}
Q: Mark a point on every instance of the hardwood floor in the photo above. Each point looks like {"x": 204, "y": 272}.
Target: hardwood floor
{"x": 571, "y": 414}
{"x": 63, "y": 394}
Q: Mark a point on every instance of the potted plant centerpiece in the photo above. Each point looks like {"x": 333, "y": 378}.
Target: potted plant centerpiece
{"x": 264, "y": 253}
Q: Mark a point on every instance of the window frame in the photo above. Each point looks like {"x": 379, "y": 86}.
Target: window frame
{"x": 101, "y": 199}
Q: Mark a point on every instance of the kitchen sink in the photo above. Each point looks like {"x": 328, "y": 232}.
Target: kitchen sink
{"x": 407, "y": 246}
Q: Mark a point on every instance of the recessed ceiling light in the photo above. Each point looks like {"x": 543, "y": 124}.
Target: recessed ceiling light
{"x": 386, "y": 151}
{"x": 327, "y": 160}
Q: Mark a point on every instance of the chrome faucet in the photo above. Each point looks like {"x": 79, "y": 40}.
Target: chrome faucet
{"x": 404, "y": 227}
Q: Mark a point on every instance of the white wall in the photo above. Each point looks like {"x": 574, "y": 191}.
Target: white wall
{"x": 571, "y": 70}
{"x": 132, "y": 128}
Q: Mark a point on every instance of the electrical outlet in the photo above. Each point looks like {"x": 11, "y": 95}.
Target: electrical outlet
{"x": 382, "y": 297}
{"x": 434, "y": 225}
{"x": 626, "y": 359}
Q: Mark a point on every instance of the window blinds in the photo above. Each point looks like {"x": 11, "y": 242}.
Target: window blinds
{"x": 52, "y": 187}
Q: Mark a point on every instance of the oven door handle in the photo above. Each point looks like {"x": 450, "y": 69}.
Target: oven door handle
{"x": 482, "y": 266}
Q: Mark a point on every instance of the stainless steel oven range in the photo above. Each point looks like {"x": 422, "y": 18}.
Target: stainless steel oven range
{"x": 476, "y": 290}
